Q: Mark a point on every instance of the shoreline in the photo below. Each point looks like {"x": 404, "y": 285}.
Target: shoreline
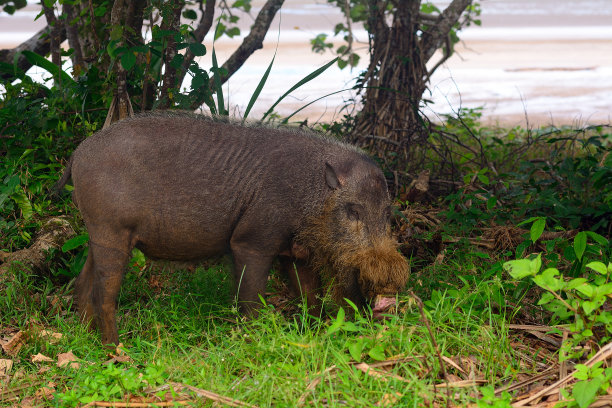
{"x": 556, "y": 68}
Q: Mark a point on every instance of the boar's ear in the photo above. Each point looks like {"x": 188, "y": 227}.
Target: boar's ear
{"x": 333, "y": 179}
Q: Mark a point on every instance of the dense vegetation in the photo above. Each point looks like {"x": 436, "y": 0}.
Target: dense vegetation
{"x": 508, "y": 299}
{"x": 544, "y": 200}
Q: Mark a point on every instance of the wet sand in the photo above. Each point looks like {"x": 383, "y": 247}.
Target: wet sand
{"x": 549, "y": 63}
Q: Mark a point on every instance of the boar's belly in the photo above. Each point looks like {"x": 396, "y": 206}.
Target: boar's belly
{"x": 176, "y": 237}
{"x": 176, "y": 246}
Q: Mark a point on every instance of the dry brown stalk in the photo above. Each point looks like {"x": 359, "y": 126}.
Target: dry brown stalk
{"x": 461, "y": 384}
{"x": 384, "y": 375}
{"x": 213, "y": 396}
{"x": 603, "y": 354}
{"x": 136, "y": 404}
{"x": 542, "y": 376}
{"x": 313, "y": 384}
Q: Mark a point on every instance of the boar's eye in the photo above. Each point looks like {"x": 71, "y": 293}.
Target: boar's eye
{"x": 354, "y": 211}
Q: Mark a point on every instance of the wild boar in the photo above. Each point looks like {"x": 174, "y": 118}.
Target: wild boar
{"x": 180, "y": 186}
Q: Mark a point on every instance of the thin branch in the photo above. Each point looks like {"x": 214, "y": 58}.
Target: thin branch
{"x": 72, "y": 32}
{"x": 198, "y": 36}
{"x": 39, "y": 43}
{"x": 250, "y": 44}
{"x": 435, "y": 35}
{"x": 253, "y": 41}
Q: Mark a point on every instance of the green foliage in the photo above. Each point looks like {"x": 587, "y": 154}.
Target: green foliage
{"x": 10, "y": 6}
{"x": 578, "y": 300}
{"x": 489, "y": 400}
{"x": 108, "y": 382}
{"x": 505, "y": 176}
{"x": 40, "y": 125}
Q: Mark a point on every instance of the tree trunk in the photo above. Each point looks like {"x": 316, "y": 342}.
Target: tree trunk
{"x": 394, "y": 80}
{"x": 171, "y": 22}
{"x": 53, "y": 234}
{"x": 390, "y": 123}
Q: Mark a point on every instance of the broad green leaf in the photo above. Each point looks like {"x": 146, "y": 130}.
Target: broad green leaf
{"x": 75, "y": 242}
{"x": 586, "y": 289}
{"x": 546, "y": 298}
{"x": 580, "y": 241}
{"x": 585, "y": 392}
{"x": 128, "y": 60}
{"x": 536, "y": 264}
{"x": 597, "y": 238}
{"x": 604, "y": 290}
{"x": 598, "y": 267}
{"x": 23, "y": 202}
{"x": 377, "y": 352}
{"x": 190, "y": 14}
{"x": 356, "y": 348}
{"x": 582, "y": 372}
{"x": 483, "y": 179}
{"x": 590, "y": 305}
{"x": 536, "y": 229}
{"x": 337, "y": 323}
{"x": 197, "y": 49}
{"x": 547, "y": 280}
{"x": 574, "y": 283}
{"x": 301, "y": 82}
{"x": 519, "y": 268}
{"x": 527, "y": 221}
{"x": 491, "y": 203}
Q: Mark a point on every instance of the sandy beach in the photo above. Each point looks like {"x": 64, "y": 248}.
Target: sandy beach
{"x": 536, "y": 64}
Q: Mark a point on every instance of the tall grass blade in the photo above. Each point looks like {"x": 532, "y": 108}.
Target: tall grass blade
{"x": 310, "y": 103}
{"x": 263, "y": 79}
{"x": 218, "y": 88}
{"x": 47, "y": 65}
{"x": 304, "y": 80}
{"x": 260, "y": 86}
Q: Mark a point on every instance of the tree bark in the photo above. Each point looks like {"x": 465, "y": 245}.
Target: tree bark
{"x": 397, "y": 75}
{"x": 72, "y": 33}
{"x": 394, "y": 80}
{"x": 53, "y": 234}
{"x": 171, "y": 21}
{"x": 56, "y": 56}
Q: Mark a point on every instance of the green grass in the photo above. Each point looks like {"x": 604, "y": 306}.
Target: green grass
{"x": 184, "y": 328}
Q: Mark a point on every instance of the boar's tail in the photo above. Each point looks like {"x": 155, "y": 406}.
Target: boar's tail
{"x": 57, "y": 188}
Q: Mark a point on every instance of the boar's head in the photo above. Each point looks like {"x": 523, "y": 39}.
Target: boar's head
{"x": 350, "y": 239}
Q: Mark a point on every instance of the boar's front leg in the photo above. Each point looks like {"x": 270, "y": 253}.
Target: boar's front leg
{"x": 251, "y": 275}
{"x": 253, "y": 250}
{"x": 305, "y": 282}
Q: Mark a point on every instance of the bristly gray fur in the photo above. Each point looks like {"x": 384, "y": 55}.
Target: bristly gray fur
{"x": 250, "y": 123}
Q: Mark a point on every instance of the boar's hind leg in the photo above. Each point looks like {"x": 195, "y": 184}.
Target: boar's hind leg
{"x": 82, "y": 291}
{"x": 103, "y": 281}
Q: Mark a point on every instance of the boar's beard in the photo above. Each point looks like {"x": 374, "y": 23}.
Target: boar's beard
{"x": 379, "y": 268}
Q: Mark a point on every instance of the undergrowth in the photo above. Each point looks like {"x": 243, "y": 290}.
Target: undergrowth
{"x": 522, "y": 240}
